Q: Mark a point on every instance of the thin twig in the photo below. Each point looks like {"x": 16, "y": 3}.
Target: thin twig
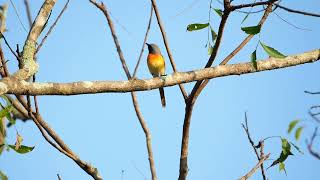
{"x": 291, "y": 24}
{"x": 28, "y": 11}
{"x": 166, "y": 43}
{"x": 255, "y": 168}
{"x": 144, "y": 43}
{"x": 59, "y": 178}
{"x": 104, "y": 10}
{"x": 311, "y": 151}
{"x": 254, "y": 147}
{"x": 17, "y": 14}
{"x": 52, "y": 26}
{"x": 309, "y": 92}
{"x": 298, "y": 11}
{"x": 248, "y": 38}
{"x": 253, "y": 4}
{"x": 8, "y": 45}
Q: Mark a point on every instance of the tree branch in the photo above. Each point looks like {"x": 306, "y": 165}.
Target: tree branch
{"x": 14, "y": 86}
{"x": 297, "y": 11}
{"x": 166, "y": 43}
{"x": 252, "y": 4}
{"x": 310, "y": 149}
{"x": 260, "y": 145}
{"x": 255, "y": 168}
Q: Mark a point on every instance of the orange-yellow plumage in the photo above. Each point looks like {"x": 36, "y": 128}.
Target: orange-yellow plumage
{"x": 156, "y": 64}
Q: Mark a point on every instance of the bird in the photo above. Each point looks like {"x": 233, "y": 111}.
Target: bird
{"x": 157, "y": 67}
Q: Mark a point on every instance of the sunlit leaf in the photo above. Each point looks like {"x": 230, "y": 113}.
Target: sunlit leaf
{"x": 286, "y": 151}
{"x": 213, "y": 34}
{"x": 298, "y": 133}
{"x": 292, "y": 125}
{"x": 282, "y": 167}
{"x": 254, "y": 59}
{"x": 3, "y": 176}
{"x": 196, "y": 26}
{"x": 5, "y": 111}
{"x": 218, "y": 11}
{"x": 210, "y": 49}
{"x": 272, "y": 52}
{"x": 251, "y": 29}
{"x": 22, "y": 149}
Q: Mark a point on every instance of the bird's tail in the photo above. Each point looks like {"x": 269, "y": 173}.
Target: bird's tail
{"x": 163, "y": 99}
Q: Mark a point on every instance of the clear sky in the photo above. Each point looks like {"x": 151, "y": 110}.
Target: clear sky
{"x": 103, "y": 129}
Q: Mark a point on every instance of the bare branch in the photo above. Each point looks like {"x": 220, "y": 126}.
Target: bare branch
{"x": 311, "y": 151}
{"x": 248, "y": 38}
{"x": 26, "y": 3}
{"x": 255, "y": 168}
{"x": 14, "y": 86}
{"x": 52, "y": 26}
{"x": 298, "y": 11}
{"x": 308, "y": 92}
{"x": 144, "y": 43}
{"x": 252, "y": 4}
{"x": 254, "y": 147}
{"x": 104, "y": 10}
{"x": 166, "y": 43}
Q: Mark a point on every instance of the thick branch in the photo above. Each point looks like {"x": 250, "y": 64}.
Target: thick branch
{"x": 14, "y": 86}
{"x": 29, "y": 66}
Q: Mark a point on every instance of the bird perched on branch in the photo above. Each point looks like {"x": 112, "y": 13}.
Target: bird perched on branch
{"x": 157, "y": 67}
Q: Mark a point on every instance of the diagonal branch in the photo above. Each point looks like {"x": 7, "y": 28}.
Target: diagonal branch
{"x": 104, "y": 10}
{"x": 52, "y": 26}
{"x": 255, "y": 168}
{"x": 144, "y": 44}
{"x": 166, "y": 43}
{"x": 310, "y": 148}
{"x": 261, "y": 145}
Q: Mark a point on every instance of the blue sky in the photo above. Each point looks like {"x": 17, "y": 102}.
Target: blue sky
{"x": 103, "y": 129}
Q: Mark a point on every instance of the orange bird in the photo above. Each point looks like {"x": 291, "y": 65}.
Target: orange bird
{"x": 157, "y": 67}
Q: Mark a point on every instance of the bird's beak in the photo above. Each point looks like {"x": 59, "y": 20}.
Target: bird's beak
{"x": 147, "y": 44}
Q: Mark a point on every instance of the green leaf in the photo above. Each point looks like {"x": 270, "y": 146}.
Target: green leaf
{"x": 210, "y": 49}
{"x": 296, "y": 147}
{"x": 22, "y": 149}
{"x": 3, "y": 176}
{"x": 282, "y": 167}
{"x": 272, "y": 52}
{"x": 218, "y": 11}
{"x": 251, "y": 29}
{"x": 298, "y": 133}
{"x": 5, "y": 111}
{"x": 286, "y": 147}
{"x": 213, "y": 34}
{"x": 196, "y": 26}
{"x": 292, "y": 125}
{"x": 254, "y": 59}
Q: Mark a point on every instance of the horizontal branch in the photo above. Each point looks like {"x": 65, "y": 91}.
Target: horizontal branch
{"x": 15, "y": 86}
